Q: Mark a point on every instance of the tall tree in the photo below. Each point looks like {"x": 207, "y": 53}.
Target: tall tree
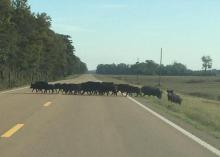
{"x": 207, "y": 62}
{"x": 30, "y": 50}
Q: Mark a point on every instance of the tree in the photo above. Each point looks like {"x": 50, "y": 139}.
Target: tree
{"x": 149, "y": 67}
{"x": 207, "y": 62}
{"x": 30, "y": 50}
{"x": 176, "y": 69}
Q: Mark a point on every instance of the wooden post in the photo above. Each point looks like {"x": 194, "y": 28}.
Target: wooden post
{"x": 137, "y": 71}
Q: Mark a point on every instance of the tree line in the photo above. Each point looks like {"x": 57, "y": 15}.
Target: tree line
{"x": 30, "y": 50}
{"x": 149, "y": 67}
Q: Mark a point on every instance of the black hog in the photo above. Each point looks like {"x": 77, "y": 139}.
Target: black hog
{"x": 134, "y": 90}
{"x": 123, "y": 88}
{"x": 151, "y": 91}
{"x": 57, "y": 87}
{"x": 70, "y": 88}
{"x": 39, "y": 86}
{"x": 90, "y": 87}
{"x": 107, "y": 88}
{"x": 173, "y": 97}
{"x": 49, "y": 88}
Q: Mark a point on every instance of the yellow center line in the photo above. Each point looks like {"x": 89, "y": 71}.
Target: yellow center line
{"x": 10, "y": 132}
{"x": 47, "y": 104}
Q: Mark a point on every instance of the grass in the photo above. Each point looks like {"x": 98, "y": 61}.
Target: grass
{"x": 200, "y": 107}
{"x": 204, "y": 87}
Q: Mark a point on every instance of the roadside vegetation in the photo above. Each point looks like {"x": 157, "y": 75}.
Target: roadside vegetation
{"x": 150, "y": 67}
{"x": 200, "y": 107}
{"x": 30, "y": 50}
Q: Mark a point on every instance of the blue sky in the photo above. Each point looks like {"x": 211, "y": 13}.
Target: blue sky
{"x": 116, "y": 31}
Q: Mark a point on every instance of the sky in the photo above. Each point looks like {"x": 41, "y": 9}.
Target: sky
{"x": 122, "y": 31}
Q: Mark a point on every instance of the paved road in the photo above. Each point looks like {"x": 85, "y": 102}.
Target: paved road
{"x": 87, "y": 126}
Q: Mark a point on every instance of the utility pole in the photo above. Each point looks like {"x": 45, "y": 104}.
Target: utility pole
{"x": 161, "y": 56}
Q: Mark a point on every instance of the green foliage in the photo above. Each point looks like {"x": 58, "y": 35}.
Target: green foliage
{"x": 30, "y": 50}
{"x": 149, "y": 67}
{"x": 207, "y": 62}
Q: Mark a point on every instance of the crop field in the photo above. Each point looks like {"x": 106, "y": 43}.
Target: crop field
{"x": 201, "y": 95}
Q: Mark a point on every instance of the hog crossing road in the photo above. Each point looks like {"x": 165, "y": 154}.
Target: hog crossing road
{"x": 86, "y": 126}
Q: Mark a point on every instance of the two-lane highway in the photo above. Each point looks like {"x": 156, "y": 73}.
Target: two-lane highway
{"x": 56, "y": 125}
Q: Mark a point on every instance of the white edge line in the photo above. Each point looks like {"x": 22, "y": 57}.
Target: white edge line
{"x": 188, "y": 134}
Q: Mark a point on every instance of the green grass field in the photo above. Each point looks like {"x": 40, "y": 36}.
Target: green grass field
{"x": 201, "y": 95}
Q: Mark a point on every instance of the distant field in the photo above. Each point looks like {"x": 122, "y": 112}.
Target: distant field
{"x": 201, "y": 95}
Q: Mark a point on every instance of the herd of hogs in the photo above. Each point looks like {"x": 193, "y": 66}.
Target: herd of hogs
{"x": 102, "y": 88}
